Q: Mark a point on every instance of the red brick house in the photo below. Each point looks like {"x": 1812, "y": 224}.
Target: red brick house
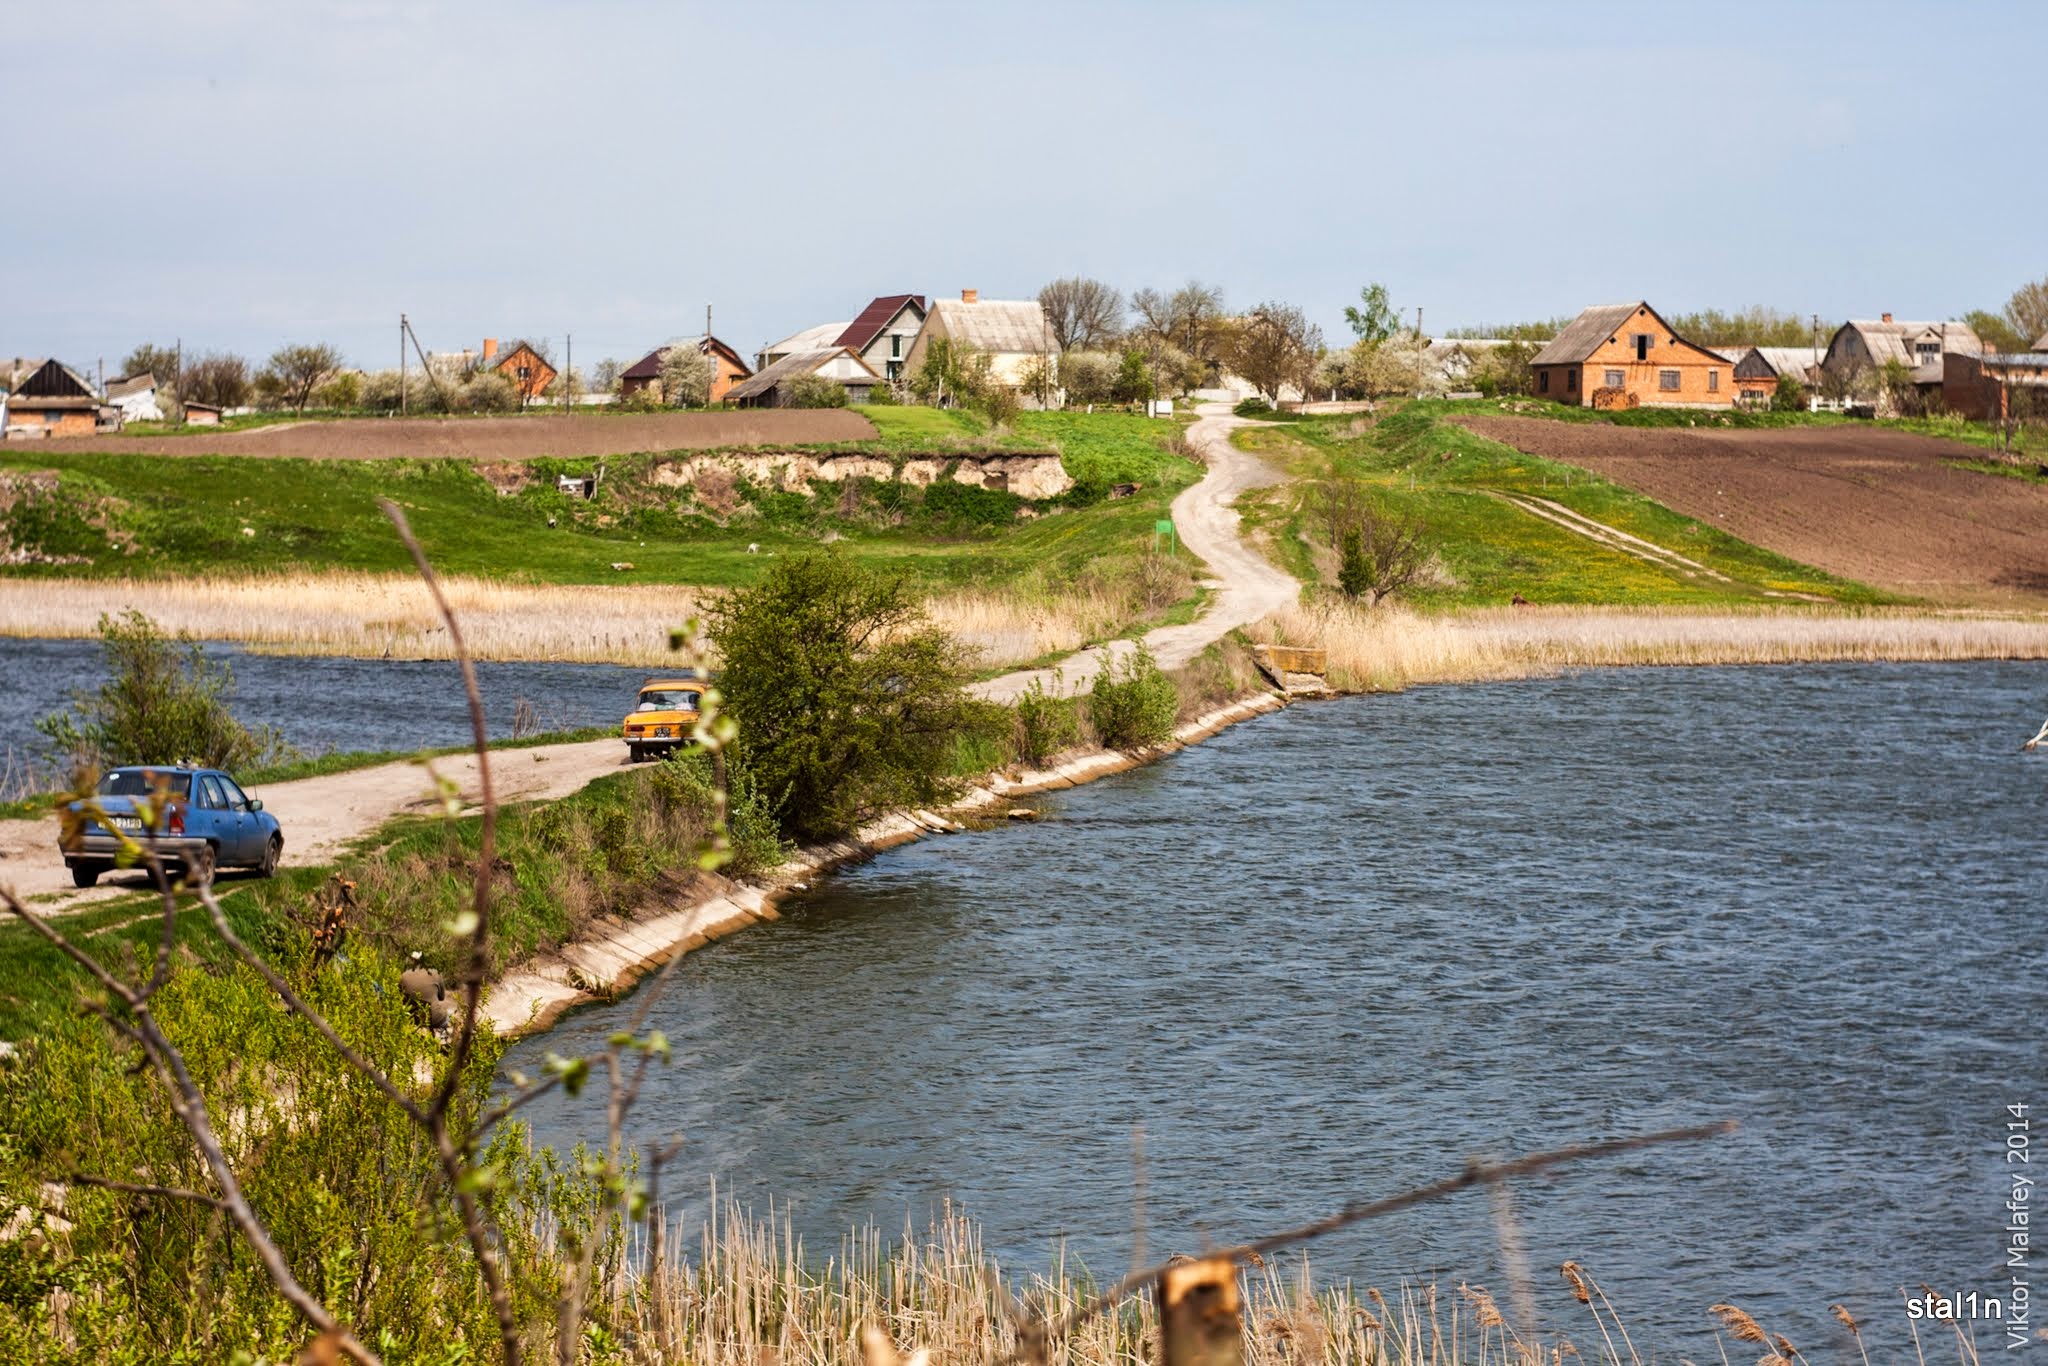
{"x": 53, "y": 401}
{"x": 727, "y": 369}
{"x": 529, "y": 371}
{"x": 1627, "y": 356}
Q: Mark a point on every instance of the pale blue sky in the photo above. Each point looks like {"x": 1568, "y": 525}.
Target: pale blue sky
{"x": 245, "y": 174}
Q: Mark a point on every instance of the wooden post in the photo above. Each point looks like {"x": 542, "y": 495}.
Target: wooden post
{"x": 1200, "y": 1321}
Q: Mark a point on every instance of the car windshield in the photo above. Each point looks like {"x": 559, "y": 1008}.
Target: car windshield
{"x": 668, "y": 699}
{"x": 140, "y": 782}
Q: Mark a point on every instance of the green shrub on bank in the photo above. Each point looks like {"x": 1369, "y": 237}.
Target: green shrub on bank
{"x": 1134, "y": 704}
{"x": 686, "y": 778}
{"x": 163, "y": 702}
{"x": 849, "y": 701}
{"x": 1046, "y": 724}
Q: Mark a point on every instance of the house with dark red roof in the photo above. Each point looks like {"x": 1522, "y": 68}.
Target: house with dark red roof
{"x": 883, "y": 332}
{"x": 727, "y": 369}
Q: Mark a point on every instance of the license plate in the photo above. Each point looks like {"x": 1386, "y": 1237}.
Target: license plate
{"x": 127, "y": 823}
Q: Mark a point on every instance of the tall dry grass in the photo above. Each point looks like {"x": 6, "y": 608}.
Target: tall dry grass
{"x": 1389, "y": 648}
{"x": 748, "y": 1295}
{"x": 373, "y": 616}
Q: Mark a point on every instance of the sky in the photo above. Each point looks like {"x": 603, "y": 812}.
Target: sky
{"x": 246, "y": 175}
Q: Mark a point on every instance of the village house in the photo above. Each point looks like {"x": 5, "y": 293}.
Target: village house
{"x": 136, "y": 398}
{"x": 53, "y": 401}
{"x": 530, "y": 372}
{"x": 727, "y": 369}
{"x": 770, "y": 387}
{"x": 1860, "y": 350}
{"x": 1759, "y": 369}
{"x": 823, "y": 337}
{"x": 884, "y": 332}
{"x": 1012, "y": 333}
{"x": 1995, "y": 386}
{"x": 1625, "y": 356}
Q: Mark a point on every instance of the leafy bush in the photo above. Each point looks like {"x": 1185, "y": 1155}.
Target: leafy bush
{"x": 686, "y": 375}
{"x": 848, "y": 700}
{"x": 163, "y": 702}
{"x": 487, "y": 391}
{"x": 947, "y": 502}
{"x": 1789, "y": 396}
{"x": 816, "y": 391}
{"x": 1046, "y": 724}
{"x": 1134, "y": 704}
{"x": 686, "y": 778}
{"x": 1254, "y": 406}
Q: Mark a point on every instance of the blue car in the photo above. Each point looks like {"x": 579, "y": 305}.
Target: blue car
{"x": 201, "y": 821}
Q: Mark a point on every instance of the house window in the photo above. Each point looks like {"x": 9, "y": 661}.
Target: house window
{"x": 1615, "y": 379}
{"x": 1543, "y": 381}
{"x": 1641, "y": 342}
{"x": 1667, "y": 379}
{"x": 1713, "y": 381}
{"x": 1571, "y": 379}
{"x": 895, "y": 345}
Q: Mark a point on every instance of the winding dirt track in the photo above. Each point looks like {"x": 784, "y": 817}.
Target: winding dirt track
{"x": 322, "y": 816}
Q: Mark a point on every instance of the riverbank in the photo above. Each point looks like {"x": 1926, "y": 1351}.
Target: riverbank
{"x": 534, "y": 995}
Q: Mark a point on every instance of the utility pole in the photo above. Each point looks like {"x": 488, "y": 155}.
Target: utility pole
{"x": 1418, "y": 322}
{"x": 178, "y": 373}
{"x": 401, "y": 365}
{"x": 568, "y": 367}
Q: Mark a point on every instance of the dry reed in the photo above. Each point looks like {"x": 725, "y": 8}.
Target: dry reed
{"x": 391, "y": 616}
{"x": 1387, "y": 649}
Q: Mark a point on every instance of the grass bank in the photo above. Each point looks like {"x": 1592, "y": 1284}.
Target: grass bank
{"x": 143, "y": 516}
{"x": 1475, "y": 497}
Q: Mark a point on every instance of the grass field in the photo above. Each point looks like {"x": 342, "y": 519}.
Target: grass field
{"x": 138, "y": 516}
{"x": 1487, "y": 548}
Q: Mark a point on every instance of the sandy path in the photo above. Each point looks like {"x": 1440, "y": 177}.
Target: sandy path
{"x": 1244, "y": 586}
{"x": 321, "y": 816}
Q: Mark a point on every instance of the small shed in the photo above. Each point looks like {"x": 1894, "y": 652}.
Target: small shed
{"x": 202, "y": 414}
{"x": 770, "y": 388}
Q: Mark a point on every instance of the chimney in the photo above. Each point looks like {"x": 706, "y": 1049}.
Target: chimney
{"x": 491, "y": 345}
{"x": 1887, "y": 317}
{"x": 968, "y": 296}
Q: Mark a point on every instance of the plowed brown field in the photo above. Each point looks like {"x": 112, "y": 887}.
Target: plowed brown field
{"x": 499, "y": 438}
{"x": 1884, "y": 507}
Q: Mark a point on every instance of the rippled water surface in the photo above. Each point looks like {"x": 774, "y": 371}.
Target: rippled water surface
{"x": 1342, "y": 949}
{"x": 332, "y": 704}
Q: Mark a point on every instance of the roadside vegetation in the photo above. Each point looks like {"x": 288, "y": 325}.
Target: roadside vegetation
{"x": 1466, "y": 499}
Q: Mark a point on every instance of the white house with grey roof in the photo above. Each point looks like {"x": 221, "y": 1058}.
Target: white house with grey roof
{"x": 1013, "y": 333}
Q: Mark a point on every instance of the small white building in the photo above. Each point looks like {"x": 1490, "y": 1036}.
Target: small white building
{"x": 136, "y": 398}
{"x": 1012, "y": 333}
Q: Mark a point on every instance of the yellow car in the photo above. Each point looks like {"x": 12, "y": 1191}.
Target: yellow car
{"x": 664, "y": 716}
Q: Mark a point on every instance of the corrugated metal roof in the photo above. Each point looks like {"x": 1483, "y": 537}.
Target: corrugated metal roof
{"x": 134, "y": 384}
{"x": 1894, "y": 340}
{"x": 789, "y": 367}
{"x": 1587, "y": 333}
{"x": 824, "y": 335}
{"x": 997, "y": 326}
{"x": 1794, "y": 360}
{"x": 876, "y": 316}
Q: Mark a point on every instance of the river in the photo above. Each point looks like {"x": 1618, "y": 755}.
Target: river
{"x": 322, "y": 703}
{"x": 1340, "y": 950}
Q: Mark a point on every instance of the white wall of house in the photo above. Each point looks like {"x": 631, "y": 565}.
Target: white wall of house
{"x": 891, "y": 346}
{"x": 140, "y": 406}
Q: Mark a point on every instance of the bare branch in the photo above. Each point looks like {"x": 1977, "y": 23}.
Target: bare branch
{"x": 139, "y": 1188}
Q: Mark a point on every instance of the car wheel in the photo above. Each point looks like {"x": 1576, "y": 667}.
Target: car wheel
{"x": 199, "y": 866}
{"x": 272, "y": 852}
{"x": 634, "y": 754}
{"x": 85, "y": 874}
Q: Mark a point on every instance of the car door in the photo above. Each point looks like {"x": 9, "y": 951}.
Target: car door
{"x": 222, "y": 824}
{"x": 255, "y": 829}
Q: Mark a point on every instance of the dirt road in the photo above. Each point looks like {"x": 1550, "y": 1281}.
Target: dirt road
{"x": 1243, "y": 585}
{"x": 322, "y": 816}
{"x": 1882, "y": 507}
{"x": 495, "y": 438}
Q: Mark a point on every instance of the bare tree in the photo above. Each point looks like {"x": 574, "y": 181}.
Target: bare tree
{"x": 1084, "y": 314}
{"x": 2027, "y": 310}
{"x": 296, "y": 371}
{"x": 1276, "y": 345}
{"x": 147, "y": 359}
{"x": 220, "y": 378}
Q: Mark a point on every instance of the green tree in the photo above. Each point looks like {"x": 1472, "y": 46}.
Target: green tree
{"x": 295, "y": 372}
{"x": 816, "y": 391}
{"x": 849, "y": 701}
{"x": 1995, "y": 330}
{"x": 163, "y": 702}
{"x": 1789, "y": 396}
{"x": 147, "y": 359}
{"x": 1133, "y": 382}
{"x": 1377, "y": 321}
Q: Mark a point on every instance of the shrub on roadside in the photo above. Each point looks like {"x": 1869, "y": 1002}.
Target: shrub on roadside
{"x": 163, "y": 702}
{"x": 1252, "y": 407}
{"x": 686, "y": 778}
{"x": 1046, "y": 724}
{"x": 1134, "y": 704}
{"x": 849, "y": 701}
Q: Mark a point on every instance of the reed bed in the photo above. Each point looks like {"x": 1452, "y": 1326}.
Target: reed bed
{"x": 748, "y": 1295}
{"x": 1386, "y": 649}
{"x": 376, "y": 616}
